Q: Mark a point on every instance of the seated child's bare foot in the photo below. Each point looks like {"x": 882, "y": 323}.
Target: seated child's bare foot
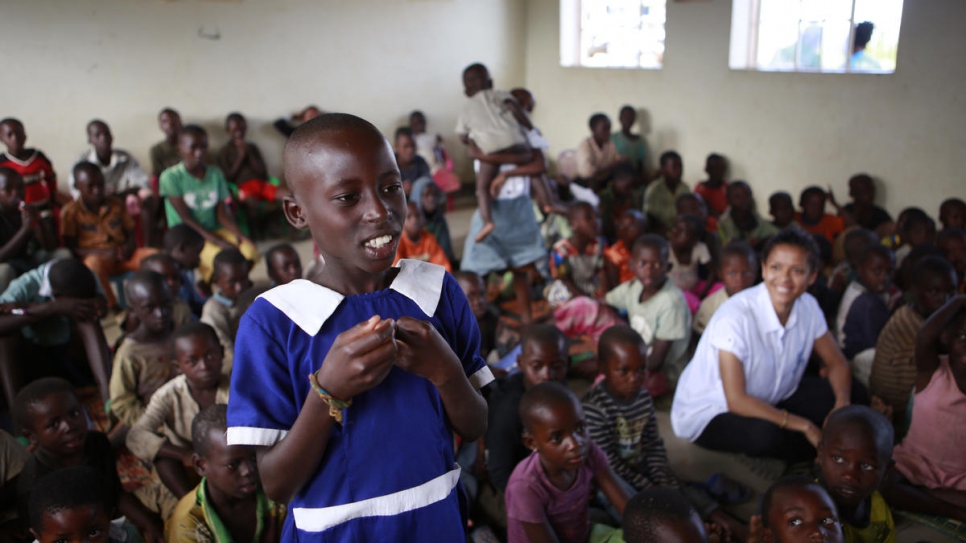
{"x": 487, "y": 229}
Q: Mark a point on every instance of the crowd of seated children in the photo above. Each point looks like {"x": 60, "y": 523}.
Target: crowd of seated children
{"x": 123, "y": 178}
{"x": 183, "y": 244}
{"x": 142, "y": 361}
{"x": 229, "y": 503}
{"x": 52, "y": 419}
{"x": 660, "y": 198}
{"x": 492, "y": 120}
{"x": 418, "y": 243}
{"x": 97, "y": 228}
{"x": 195, "y": 194}
{"x": 162, "y": 435}
{"x": 51, "y": 317}
{"x": 24, "y": 243}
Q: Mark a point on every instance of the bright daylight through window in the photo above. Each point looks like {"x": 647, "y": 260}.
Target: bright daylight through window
{"x": 612, "y": 33}
{"x": 838, "y": 36}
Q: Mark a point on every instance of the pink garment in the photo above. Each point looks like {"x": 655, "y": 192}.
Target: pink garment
{"x": 584, "y": 315}
{"x": 932, "y": 453}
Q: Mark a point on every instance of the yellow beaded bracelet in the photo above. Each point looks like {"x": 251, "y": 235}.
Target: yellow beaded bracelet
{"x": 336, "y": 406}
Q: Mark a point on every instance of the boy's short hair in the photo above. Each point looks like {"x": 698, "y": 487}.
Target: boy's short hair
{"x": 796, "y": 238}
{"x": 950, "y": 233}
{"x": 169, "y": 110}
{"x": 915, "y": 216}
{"x": 543, "y": 334}
{"x": 309, "y": 133}
{"x": 856, "y": 240}
{"x": 195, "y": 129}
{"x": 270, "y": 254}
{"x": 952, "y": 202}
{"x": 182, "y": 235}
{"x": 627, "y": 107}
{"x": 71, "y": 278}
{"x": 668, "y": 155}
{"x": 862, "y": 415}
{"x": 714, "y": 156}
{"x": 87, "y": 166}
{"x": 780, "y": 195}
{"x": 403, "y": 131}
{"x": 789, "y": 482}
{"x": 464, "y": 275}
{"x": 542, "y": 395}
{"x": 652, "y": 241}
{"x": 476, "y": 66}
{"x": 213, "y": 417}
{"x": 620, "y": 334}
{"x": 93, "y": 122}
{"x": 417, "y": 112}
{"x": 10, "y": 120}
{"x": 157, "y": 257}
{"x": 236, "y": 116}
{"x": 863, "y": 33}
{"x": 624, "y": 169}
{"x": 811, "y": 191}
{"x": 66, "y": 488}
{"x": 739, "y": 249}
{"x": 147, "y": 278}
{"x": 872, "y": 251}
{"x": 229, "y": 257}
{"x": 194, "y": 328}
{"x": 932, "y": 265}
{"x": 580, "y": 207}
{"x": 652, "y": 508}
{"x": 693, "y": 221}
{"x": 34, "y": 393}
{"x": 597, "y": 118}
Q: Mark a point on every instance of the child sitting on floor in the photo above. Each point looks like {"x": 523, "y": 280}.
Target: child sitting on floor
{"x": 196, "y": 194}
{"x": 184, "y": 245}
{"x": 229, "y": 503}
{"x": 427, "y": 197}
{"x": 796, "y": 509}
{"x": 548, "y": 495}
{"x": 714, "y": 190}
{"x": 661, "y": 514}
{"x": 224, "y": 309}
{"x": 630, "y": 226}
{"x": 661, "y": 195}
{"x": 99, "y": 231}
{"x": 813, "y": 218}
{"x": 657, "y": 310}
{"x": 738, "y": 270}
{"x": 693, "y": 204}
{"x": 72, "y": 504}
{"x": 417, "y": 243}
{"x": 368, "y": 369}
{"x": 854, "y": 243}
{"x": 952, "y": 243}
{"x": 164, "y": 154}
{"x": 54, "y": 422}
{"x": 952, "y": 213}
{"x": 411, "y": 165}
{"x": 854, "y": 454}
{"x": 487, "y": 317}
{"x": 142, "y": 362}
{"x": 691, "y": 267}
{"x": 576, "y": 263}
{"x": 915, "y": 228}
{"x": 162, "y": 435}
{"x": 894, "y": 367}
{"x": 930, "y": 459}
{"x": 782, "y": 210}
{"x": 864, "y": 309}
{"x": 33, "y": 165}
{"x": 242, "y": 163}
{"x": 163, "y": 264}
{"x": 492, "y": 120}
{"x": 862, "y": 209}
{"x": 24, "y": 244}
{"x": 283, "y": 264}
{"x": 619, "y": 197}
{"x": 741, "y": 221}
{"x": 13, "y": 456}
{"x": 51, "y": 316}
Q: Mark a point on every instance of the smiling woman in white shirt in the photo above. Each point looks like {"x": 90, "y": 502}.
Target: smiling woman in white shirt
{"x": 745, "y": 390}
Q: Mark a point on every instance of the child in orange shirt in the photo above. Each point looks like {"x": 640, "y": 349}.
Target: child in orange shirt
{"x": 417, "y": 243}
{"x": 630, "y": 225}
{"x": 813, "y": 218}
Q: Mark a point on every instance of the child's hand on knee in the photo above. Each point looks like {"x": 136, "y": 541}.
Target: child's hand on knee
{"x": 359, "y": 359}
{"x": 422, "y": 351}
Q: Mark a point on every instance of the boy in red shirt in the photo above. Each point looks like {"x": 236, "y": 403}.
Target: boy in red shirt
{"x": 813, "y": 218}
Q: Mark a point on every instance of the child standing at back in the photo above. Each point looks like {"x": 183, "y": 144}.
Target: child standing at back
{"x": 492, "y": 120}
{"x": 930, "y": 459}
{"x": 195, "y": 194}
{"x": 657, "y": 310}
{"x": 417, "y": 243}
{"x": 548, "y": 495}
{"x": 399, "y": 352}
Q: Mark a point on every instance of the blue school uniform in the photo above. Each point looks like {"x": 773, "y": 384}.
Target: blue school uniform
{"x": 388, "y": 473}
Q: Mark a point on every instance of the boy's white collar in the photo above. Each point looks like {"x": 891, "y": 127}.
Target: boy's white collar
{"x": 310, "y": 305}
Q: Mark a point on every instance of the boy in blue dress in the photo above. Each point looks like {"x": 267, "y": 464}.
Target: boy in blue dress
{"x": 351, "y": 385}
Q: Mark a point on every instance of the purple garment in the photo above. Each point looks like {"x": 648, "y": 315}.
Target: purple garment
{"x": 531, "y": 497}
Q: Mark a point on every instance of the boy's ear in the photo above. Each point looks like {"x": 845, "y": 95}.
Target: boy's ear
{"x": 528, "y": 441}
{"x": 35, "y": 534}
{"x": 200, "y": 464}
{"x": 293, "y": 212}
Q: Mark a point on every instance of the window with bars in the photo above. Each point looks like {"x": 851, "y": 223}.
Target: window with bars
{"x": 612, "y": 33}
{"x": 837, "y": 36}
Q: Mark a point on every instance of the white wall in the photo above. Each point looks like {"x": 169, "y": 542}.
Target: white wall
{"x": 780, "y": 131}
{"x": 69, "y": 61}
